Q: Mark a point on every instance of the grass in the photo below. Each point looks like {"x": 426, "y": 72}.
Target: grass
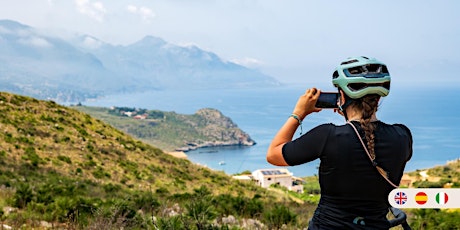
{"x": 169, "y": 130}
{"x": 63, "y": 166}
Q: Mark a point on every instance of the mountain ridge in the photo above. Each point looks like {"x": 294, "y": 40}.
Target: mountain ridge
{"x": 74, "y": 69}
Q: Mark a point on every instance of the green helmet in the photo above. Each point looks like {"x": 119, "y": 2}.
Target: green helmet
{"x": 360, "y": 76}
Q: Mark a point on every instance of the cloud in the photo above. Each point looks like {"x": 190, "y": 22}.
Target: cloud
{"x": 145, "y": 12}
{"x": 94, "y": 10}
{"x": 248, "y": 62}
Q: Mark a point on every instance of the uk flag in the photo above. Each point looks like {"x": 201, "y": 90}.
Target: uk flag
{"x": 400, "y": 198}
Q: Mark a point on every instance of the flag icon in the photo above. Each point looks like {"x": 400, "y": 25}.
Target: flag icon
{"x": 441, "y": 198}
{"x": 421, "y": 198}
{"x": 400, "y": 198}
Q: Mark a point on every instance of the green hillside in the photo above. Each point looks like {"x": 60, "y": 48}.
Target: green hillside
{"x": 62, "y": 167}
{"x": 442, "y": 176}
{"x": 206, "y": 127}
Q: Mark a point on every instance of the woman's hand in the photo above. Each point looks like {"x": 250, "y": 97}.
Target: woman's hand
{"x": 307, "y": 103}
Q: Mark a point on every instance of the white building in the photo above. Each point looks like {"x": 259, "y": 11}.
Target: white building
{"x": 281, "y": 176}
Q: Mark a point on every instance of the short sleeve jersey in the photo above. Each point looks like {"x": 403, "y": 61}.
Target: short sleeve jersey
{"x": 346, "y": 174}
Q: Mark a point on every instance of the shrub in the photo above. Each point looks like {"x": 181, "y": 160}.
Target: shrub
{"x": 111, "y": 188}
{"x": 278, "y": 216}
{"x": 434, "y": 219}
{"x": 32, "y": 156}
{"x": 146, "y": 202}
{"x": 175, "y": 222}
{"x": 65, "y": 159}
{"x": 100, "y": 173}
{"x": 23, "y": 195}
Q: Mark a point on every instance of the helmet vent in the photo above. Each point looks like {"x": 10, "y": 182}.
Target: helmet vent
{"x": 349, "y": 62}
{"x": 335, "y": 75}
{"x": 369, "y": 70}
{"x": 360, "y": 86}
{"x": 384, "y": 69}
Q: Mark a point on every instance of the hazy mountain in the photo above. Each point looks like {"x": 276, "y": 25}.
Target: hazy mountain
{"x": 45, "y": 66}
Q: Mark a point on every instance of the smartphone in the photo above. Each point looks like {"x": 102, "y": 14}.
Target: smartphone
{"x": 327, "y": 100}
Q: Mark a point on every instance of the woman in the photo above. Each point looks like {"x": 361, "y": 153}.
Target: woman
{"x": 354, "y": 184}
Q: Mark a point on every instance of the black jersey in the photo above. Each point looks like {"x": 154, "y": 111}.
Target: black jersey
{"x": 350, "y": 185}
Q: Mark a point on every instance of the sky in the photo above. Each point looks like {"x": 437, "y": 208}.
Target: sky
{"x": 295, "y": 41}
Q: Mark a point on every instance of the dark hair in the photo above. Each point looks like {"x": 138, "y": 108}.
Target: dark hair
{"x": 368, "y": 105}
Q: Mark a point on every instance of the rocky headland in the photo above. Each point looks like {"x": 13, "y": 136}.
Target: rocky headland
{"x": 174, "y": 132}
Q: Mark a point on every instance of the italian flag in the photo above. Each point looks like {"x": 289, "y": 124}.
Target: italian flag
{"x": 441, "y": 198}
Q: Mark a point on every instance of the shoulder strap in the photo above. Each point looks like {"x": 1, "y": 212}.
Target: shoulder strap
{"x": 374, "y": 163}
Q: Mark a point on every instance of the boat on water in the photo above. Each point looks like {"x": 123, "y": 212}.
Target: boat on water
{"x": 209, "y": 151}
{"x": 221, "y": 162}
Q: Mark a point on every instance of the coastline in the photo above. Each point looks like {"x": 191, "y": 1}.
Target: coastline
{"x": 208, "y": 144}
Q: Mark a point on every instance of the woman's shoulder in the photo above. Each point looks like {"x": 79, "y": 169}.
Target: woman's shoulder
{"x": 398, "y": 126}
{"x": 331, "y": 127}
{"x": 394, "y": 124}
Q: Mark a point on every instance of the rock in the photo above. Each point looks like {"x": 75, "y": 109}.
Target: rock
{"x": 252, "y": 224}
{"x": 8, "y": 210}
{"x": 4, "y": 226}
{"x": 218, "y": 129}
{"x": 229, "y": 220}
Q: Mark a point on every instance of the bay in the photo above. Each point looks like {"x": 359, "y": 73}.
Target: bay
{"x": 430, "y": 113}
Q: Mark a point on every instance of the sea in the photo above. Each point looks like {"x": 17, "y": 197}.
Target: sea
{"x": 430, "y": 112}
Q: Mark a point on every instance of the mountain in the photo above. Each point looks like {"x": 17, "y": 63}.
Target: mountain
{"x": 44, "y": 66}
{"x": 164, "y": 65}
{"x": 39, "y": 65}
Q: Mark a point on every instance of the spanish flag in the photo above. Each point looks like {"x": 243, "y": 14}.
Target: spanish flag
{"x": 421, "y": 198}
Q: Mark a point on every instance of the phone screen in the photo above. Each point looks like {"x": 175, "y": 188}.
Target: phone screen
{"x": 327, "y": 100}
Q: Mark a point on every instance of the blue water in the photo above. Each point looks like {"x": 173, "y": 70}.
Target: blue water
{"x": 430, "y": 113}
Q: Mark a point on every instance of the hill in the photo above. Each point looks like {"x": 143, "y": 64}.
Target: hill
{"x": 45, "y": 66}
{"x": 62, "y": 167}
{"x": 442, "y": 176}
{"x": 171, "y": 131}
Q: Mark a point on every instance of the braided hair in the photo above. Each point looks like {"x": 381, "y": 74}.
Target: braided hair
{"x": 368, "y": 105}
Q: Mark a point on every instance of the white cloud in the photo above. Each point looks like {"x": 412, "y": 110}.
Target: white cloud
{"x": 248, "y": 62}
{"x": 131, "y": 9}
{"x": 145, "y": 12}
{"x": 94, "y": 10}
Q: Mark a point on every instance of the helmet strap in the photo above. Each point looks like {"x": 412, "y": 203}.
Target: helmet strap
{"x": 344, "y": 112}
{"x": 343, "y": 108}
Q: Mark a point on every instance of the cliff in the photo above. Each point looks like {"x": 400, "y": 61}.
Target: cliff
{"x": 171, "y": 131}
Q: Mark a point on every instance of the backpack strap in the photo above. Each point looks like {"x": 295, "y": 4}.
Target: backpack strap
{"x": 374, "y": 163}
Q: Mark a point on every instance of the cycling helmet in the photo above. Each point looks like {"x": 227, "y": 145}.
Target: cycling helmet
{"x": 360, "y": 76}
